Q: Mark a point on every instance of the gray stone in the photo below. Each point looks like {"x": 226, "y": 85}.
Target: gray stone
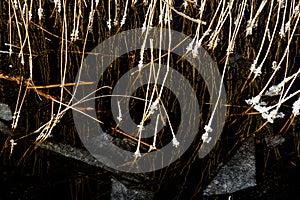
{"x": 4, "y": 129}
{"x": 5, "y": 112}
{"x": 85, "y": 156}
{"x": 120, "y": 192}
{"x": 5, "y": 115}
{"x": 237, "y": 174}
{"x": 273, "y": 141}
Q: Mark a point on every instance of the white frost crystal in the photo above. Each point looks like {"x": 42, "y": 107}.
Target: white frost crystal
{"x": 296, "y": 107}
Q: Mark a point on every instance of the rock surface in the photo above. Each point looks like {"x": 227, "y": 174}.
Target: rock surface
{"x": 120, "y": 192}
{"x": 5, "y": 112}
{"x": 5, "y": 115}
{"x": 237, "y": 174}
